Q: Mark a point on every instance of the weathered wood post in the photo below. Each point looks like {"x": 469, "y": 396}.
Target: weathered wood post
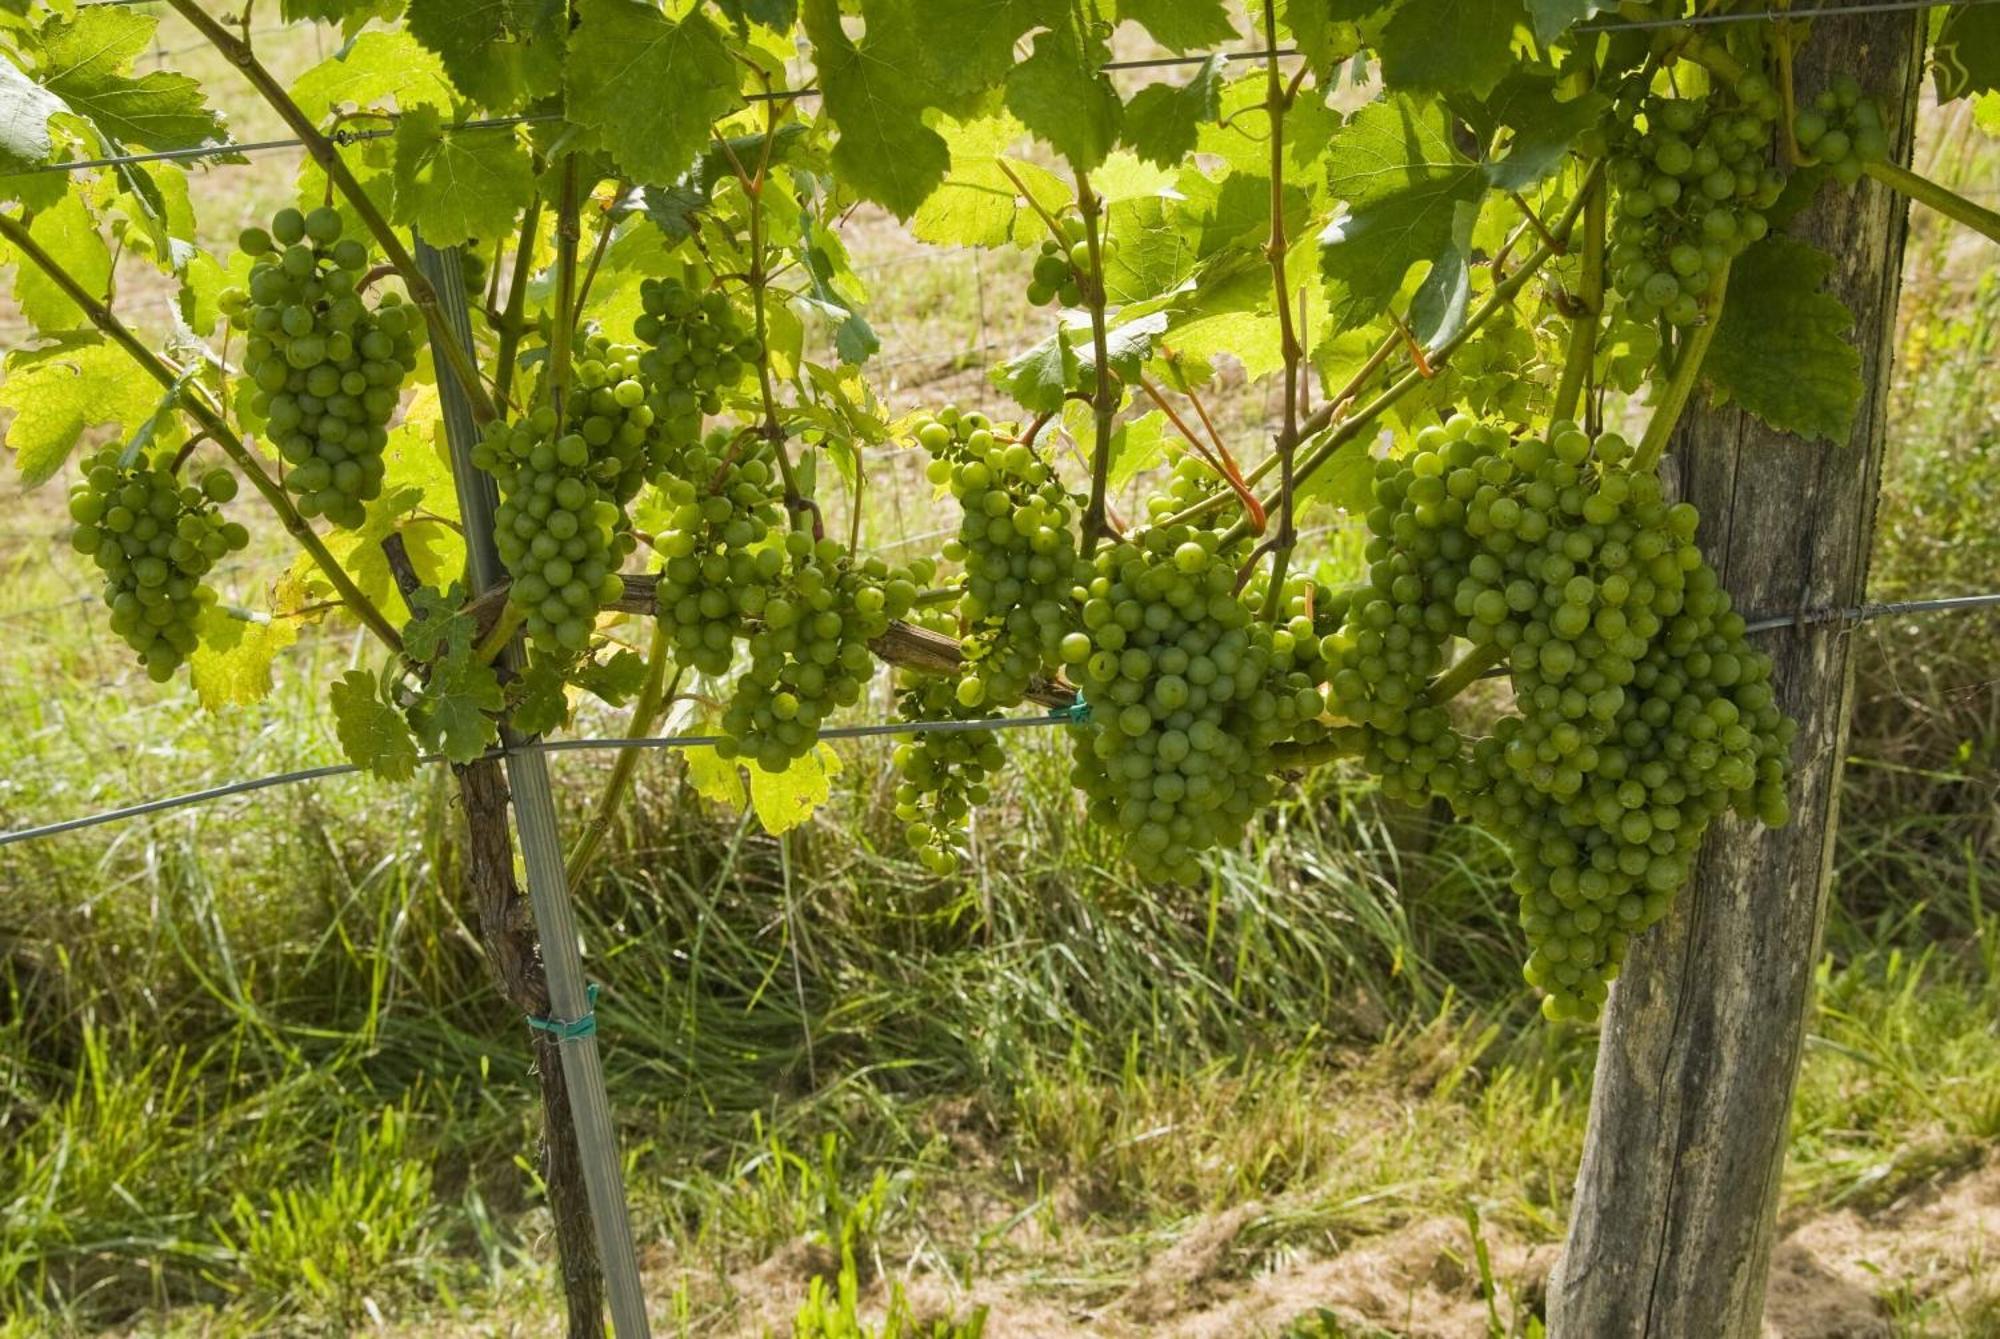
{"x": 1671, "y": 1233}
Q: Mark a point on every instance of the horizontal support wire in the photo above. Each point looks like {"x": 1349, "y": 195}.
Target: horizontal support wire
{"x": 224, "y": 151}
{"x": 1802, "y": 619}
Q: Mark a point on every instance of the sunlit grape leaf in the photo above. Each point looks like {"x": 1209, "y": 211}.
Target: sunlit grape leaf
{"x": 1252, "y": 338}
{"x": 59, "y": 391}
{"x": 885, "y": 151}
{"x": 1136, "y": 446}
{"x": 1038, "y": 377}
{"x": 1161, "y": 121}
{"x": 86, "y": 60}
{"x": 436, "y": 549}
{"x": 457, "y": 186}
{"x": 1155, "y": 253}
{"x": 1396, "y": 170}
{"x": 1449, "y": 46}
{"x": 714, "y": 777}
{"x": 25, "y": 109}
{"x": 1345, "y": 480}
{"x": 540, "y": 698}
{"x": 371, "y": 732}
{"x": 500, "y": 53}
{"x": 783, "y": 800}
{"x": 374, "y": 69}
{"x": 1783, "y": 350}
{"x": 350, "y": 14}
{"x": 623, "y": 55}
{"x": 69, "y": 234}
{"x": 232, "y": 664}
{"x": 1127, "y": 345}
{"x": 1966, "y": 58}
{"x": 439, "y": 626}
{"x": 1327, "y": 32}
{"x": 978, "y": 203}
{"x": 1061, "y": 95}
{"x": 1181, "y": 25}
{"x": 1986, "y": 113}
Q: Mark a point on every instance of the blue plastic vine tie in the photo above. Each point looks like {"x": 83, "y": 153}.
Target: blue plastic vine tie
{"x": 574, "y": 1030}
{"x": 1076, "y": 713}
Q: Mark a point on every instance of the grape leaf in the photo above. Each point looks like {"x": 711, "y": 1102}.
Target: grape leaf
{"x": 1542, "y": 128}
{"x": 1782, "y": 351}
{"x": 457, "y": 186}
{"x": 1061, "y": 95}
{"x": 1155, "y": 253}
{"x": 1552, "y": 18}
{"x": 1437, "y": 311}
{"x": 350, "y": 14}
{"x": 371, "y": 732}
{"x": 25, "y": 109}
{"x": 87, "y": 62}
{"x": 1251, "y": 338}
{"x": 1401, "y": 178}
{"x": 1137, "y": 445}
{"x": 978, "y": 204}
{"x": 622, "y": 56}
{"x": 783, "y": 800}
{"x": 775, "y": 14}
{"x": 885, "y": 151}
{"x": 439, "y": 626}
{"x": 1180, "y": 25}
{"x": 714, "y": 777}
{"x": 1323, "y": 35}
{"x": 541, "y": 700}
{"x": 1162, "y": 120}
{"x": 232, "y": 664}
{"x": 1346, "y": 479}
{"x": 374, "y": 69}
{"x": 69, "y": 234}
{"x": 616, "y": 680}
{"x": 1038, "y": 377}
{"x": 1449, "y": 46}
{"x": 454, "y": 714}
{"x": 1966, "y": 58}
{"x": 952, "y": 74}
{"x": 500, "y": 53}
{"x": 57, "y": 392}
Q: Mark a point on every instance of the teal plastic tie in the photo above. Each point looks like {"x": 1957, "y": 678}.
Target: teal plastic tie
{"x": 1077, "y": 712}
{"x": 574, "y": 1030}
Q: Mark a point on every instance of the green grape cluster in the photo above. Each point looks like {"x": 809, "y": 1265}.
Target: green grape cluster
{"x": 1843, "y": 129}
{"x": 473, "y": 272}
{"x": 700, "y": 345}
{"x": 1017, "y": 543}
{"x": 809, "y": 651}
{"x": 154, "y": 538}
{"x": 1062, "y": 268}
{"x": 1189, "y": 692}
{"x": 1190, "y": 482}
{"x": 1640, "y": 710}
{"x": 328, "y": 369}
{"x": 558, "y": 528}
{"x": 720, "y": 571}
{"x": 941, "y": 774}
{"x": 610, "y": 407}
{"x": 1690, "y": 191}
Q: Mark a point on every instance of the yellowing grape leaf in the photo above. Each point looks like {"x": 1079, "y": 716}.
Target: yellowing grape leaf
{"x": 69, "y": 234}
{"x": 1782, "y": 351}
{"x": 232, "y": 664}
{"x": 371, "y": 732}
{"x": 783, "y": 800}
{"x": 374, "y": 69}
{"x": 714, "y": 777}
{"x": 86, "y": 60}
{"x": 59, "y": 391}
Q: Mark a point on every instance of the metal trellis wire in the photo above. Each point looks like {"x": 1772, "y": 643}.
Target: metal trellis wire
{"x": 1060, "y": 716}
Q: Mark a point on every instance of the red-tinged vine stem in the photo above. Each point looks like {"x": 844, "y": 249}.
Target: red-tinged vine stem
{"x": 1103, "y": 397}
{"x": 1277, "y": 102}
{"x": 654, "y": 694}
{"x": 1224, "y": 466}
{"x": 322, "y": 151}
{"x": 1584, "y": 324}
{"x": 1680, "y": 389}
{"x": 193, "y": 399}
{"x": 513, "y": 321}
{"x": 562, "y": 330}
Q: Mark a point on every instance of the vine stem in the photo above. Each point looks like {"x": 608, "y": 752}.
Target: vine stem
{"x": 1583, "y": 330}
{"x": 195, "y": 402}
{"x": 562, "y": 333}
{"x": 654, "y": 693}
{"x": 1474, "y": 663}
{"x": 1687, "y": 374}
{"x": 1103, "y": 401}
{"x": 443, "y": 342}
{"x": 513, "y": 322}
{"x": 1941, "y": 198}
{"x": 1277, "y": 101}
